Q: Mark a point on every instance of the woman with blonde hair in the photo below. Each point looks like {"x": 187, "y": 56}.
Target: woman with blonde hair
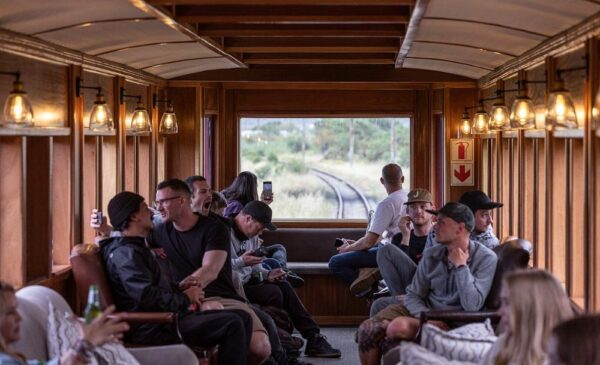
{"x": 532, "y": 303}
{"x": 103, "y": 329}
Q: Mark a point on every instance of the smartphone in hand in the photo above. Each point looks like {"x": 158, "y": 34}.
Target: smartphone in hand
{"x": 259, "y": 252}
{"x": 338, "y": 242}
{"x": 267, "y": 189}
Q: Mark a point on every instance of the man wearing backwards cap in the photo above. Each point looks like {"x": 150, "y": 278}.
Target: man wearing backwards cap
{"x": 135, "y": 279}
{"x": 457, "y": 274}
{"x": 270, "y": 288}
{"x": 481, "y": 206}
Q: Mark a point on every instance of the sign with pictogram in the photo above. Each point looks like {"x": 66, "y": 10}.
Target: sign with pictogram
{"x": 461, "y": 162}
{"x": 462, "y": 174}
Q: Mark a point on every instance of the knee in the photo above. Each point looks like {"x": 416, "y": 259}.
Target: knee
{"x": 334, "y": 262}
{"x": 260, "y": 347}
{"x": 401, "y": 328}
{"x": 383, "y": 253}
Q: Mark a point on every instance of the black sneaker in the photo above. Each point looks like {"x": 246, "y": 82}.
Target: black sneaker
{"x": 295, "y": 280}
{"x": 319, "y": 347}
{"x": 296, "y": 361}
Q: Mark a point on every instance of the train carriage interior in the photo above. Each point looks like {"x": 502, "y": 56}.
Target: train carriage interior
{"x": 314, "y": 97}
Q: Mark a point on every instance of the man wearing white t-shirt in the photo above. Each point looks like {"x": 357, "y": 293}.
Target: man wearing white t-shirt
{"x": 356, "y": 255}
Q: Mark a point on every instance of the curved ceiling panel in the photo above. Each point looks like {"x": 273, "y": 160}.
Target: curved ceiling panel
{"x": 477, "y": 35}
{"x": 468, "y": 55}
{"x": 539, "y": 16}
{"x": 449, "y": 67}
{"x": 185, "y": 67}
{"x": 101, "y": 37}
{"x": 146, "y": 56}
{"x": 35, "y": 16}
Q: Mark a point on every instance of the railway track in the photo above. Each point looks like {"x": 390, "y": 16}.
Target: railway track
{"x": 351, "y": 202}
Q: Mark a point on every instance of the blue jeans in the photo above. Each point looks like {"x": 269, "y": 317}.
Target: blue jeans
{"x": 346, "y": 265}
{"x": 277, "y": 260}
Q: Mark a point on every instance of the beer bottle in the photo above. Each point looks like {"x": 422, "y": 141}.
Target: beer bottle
{"x": 92, "y": 309}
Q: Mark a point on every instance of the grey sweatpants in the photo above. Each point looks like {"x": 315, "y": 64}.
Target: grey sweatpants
{"x": 396, "y": 267}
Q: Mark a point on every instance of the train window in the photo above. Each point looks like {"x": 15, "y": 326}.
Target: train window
{"x": 326, "y": 168}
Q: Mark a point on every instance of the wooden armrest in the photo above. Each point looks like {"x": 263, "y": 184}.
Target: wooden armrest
{"x": 146, "y": 317}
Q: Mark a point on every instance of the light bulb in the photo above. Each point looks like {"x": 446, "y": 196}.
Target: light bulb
{"x": 140, "y": 121}
{"x": 168, "y": 122}
{"x": 100, "y": 115}
{"x": 480, "y": 122}
{"x": 499, "y": 117}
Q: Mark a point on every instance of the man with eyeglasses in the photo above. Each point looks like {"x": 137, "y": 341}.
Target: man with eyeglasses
{"x": 198, "y": 250}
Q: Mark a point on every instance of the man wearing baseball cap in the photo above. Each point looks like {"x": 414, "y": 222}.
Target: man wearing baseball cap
{"x": 481, "y": 206}
{"x": 270, "y": 288}
{"x": 457, "y": 274}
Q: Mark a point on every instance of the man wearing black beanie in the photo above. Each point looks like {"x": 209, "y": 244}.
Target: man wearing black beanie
{"x": 138, "y": 286}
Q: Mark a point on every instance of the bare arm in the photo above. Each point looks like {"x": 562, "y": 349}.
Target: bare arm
{"x": 365, "y": 243}
{"x": 212, "y": 263}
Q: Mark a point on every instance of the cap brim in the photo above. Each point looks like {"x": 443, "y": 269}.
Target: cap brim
{"x": 490, "y": 205}
{"x": 270, "y": 226}
{"x": 418, "y": 201}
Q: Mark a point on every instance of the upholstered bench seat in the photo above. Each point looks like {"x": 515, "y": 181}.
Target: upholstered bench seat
{"x": 309, "y": 268}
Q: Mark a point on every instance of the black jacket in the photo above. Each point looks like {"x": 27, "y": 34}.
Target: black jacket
{"x": 138, "y": 285}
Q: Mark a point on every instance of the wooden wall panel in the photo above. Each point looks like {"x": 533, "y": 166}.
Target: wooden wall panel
{"x": 12, "y": 211}
{"x": 504, "y": 196}
{"x": 540, "y": 243}
{"x": 421, "y": 158}
{"x": 559, "y": 193}
{"x": 144, "y": 168}
{"x": 181, "y": 148}
{"x": 89, "y": 185}
{"x": 577, "y": 219}
{"x": 61, "y": 200}
{"x": 109, "y": 170}
{"x": 38, "y": 207}
{"x": 130, "y": 164}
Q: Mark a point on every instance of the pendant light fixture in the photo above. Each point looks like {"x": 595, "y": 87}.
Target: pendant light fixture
{"x": 17, "y": 112}
{"x": 465, "y": 125}
{"x": 560, "y": 111}
{"x": 522, "y": 114}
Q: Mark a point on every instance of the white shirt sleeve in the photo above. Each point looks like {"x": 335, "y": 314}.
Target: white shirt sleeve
{"x": 384, "y": 215}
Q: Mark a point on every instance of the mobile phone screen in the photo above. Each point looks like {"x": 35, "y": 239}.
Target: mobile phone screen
{"x": 267, "y": 185}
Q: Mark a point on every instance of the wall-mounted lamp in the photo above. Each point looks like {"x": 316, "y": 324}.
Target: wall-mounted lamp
{"x": 560, "y": 110}
{"x": 140, "y": 120}
{"x": 100, "y": 116}
{"x": 481, "y": 121}
{"x": 17, "y": 111}
{"x": 522, "y": 113}
{"x": 465, "y": 125}
{"x": 499, "y": 115}
{"x": 168, "y": 121}
{"x": 596, "y": 112}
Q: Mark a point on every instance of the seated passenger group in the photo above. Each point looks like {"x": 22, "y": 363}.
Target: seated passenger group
{"x": 214, "y": 261}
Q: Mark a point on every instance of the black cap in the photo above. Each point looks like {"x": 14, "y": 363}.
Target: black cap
{"x": 458, "y": 212}
{"x": 122, "y": 205}
{"x": 477, "y": 199}
{"x": 261, "y": 213}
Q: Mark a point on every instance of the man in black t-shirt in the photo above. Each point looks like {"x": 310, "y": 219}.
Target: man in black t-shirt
{"x": 197, "y": 248}
{"x": 398, "y": 261}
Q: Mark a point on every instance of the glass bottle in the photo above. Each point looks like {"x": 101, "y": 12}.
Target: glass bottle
{"x": 92, "y": 309}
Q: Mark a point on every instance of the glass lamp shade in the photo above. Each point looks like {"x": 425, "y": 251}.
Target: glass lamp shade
{"x": 465, "y": 125}
{"x": 560, "y": 111}
{"x": 480, "y": 122}
{"x": 499, "y": 117}
{"x": 140, "y": 120}
{"x": 100, "y": 117}
{"x": 522, "y": 114}
{"x": 17, "y": 111}
{"x": 168, "y": 122}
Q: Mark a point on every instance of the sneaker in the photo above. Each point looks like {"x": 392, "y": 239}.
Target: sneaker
{"x": 294, "y": 279}
{"x": 319, "y": 347}
{"x": 367, "y": 277}
{"x": 294, "y": 360}
{"x": 385, "y": 292}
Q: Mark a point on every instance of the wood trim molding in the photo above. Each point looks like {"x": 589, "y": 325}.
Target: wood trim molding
{"x": 40, "y": 50}
{"x": 570, "y": 38}
{"x": 75, "y": 120}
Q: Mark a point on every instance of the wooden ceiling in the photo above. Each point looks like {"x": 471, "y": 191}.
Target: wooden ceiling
{"x": 298, "y": 32}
